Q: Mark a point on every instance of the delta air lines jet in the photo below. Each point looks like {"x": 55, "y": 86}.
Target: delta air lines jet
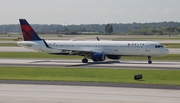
{"x": 95, "y": 50}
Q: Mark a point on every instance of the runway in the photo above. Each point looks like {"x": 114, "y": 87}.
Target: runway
{"x": 77, "y": 63}
{"x": 29, "y": 93}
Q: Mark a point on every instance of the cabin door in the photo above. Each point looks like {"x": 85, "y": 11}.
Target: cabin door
{"x": 78, "y": 46}
{"x": 147, "y": 48}
{"x": 115, "y": 47}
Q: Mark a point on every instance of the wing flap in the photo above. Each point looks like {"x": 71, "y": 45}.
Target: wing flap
{"x": 75, "y": 51}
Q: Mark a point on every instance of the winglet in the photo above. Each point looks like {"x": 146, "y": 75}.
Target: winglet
{"x": 27, "y": 31}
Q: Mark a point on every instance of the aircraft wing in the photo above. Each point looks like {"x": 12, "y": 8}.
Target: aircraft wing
{"x": 75, "y": 51}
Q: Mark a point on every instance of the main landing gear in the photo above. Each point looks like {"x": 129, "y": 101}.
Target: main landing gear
{"x": 149, "y": 60}
{"x": 85, "y": 60}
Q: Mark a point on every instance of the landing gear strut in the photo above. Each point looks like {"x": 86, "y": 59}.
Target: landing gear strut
{"x": 149, "y": 60}
{"x": 84, "y": 60}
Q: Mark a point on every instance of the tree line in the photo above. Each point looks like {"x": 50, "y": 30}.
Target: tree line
{"x": 160, "y": 28}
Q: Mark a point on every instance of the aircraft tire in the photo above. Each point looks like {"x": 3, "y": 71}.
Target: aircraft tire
{"x": 84, "y": 60}
{"x": 150, "y": 62}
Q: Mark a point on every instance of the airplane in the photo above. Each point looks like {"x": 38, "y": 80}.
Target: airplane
{"x": 95, "y": 50}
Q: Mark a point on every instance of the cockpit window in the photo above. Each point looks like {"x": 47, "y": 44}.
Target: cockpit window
{"x": 159, "y": 46}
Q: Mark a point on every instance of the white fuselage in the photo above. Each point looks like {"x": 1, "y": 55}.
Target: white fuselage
{"x": 122, "y": 48}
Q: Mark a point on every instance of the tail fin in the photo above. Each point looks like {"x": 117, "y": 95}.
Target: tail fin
{"x": 27, "y": 31}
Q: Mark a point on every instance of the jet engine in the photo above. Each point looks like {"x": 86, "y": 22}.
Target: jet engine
{"x": 98, "y": 56}
{"x": 113, "y": 56}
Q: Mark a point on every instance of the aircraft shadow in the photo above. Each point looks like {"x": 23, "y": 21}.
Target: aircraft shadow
{"x": 82, "y": 64}
{"x": 94, "y": 63}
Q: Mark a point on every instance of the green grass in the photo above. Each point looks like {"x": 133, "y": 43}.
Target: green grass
{"x": 7, "y": 39}
{"x": 35, "y": 55}
{"x": 171, "y": 45}
{"x": 9, "y": 44}
{"x": 168, "y": 77}
{"x": 92, "y": 36}
{"x": 146, "y": 39}
{"x": 168, "y": 57}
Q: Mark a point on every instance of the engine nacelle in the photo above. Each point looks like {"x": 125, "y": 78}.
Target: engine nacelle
{"x": 113, "y": 56}
{"x": 98, "y": 56}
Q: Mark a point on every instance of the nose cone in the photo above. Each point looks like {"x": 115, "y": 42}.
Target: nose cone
{"x": 165, "y": 51}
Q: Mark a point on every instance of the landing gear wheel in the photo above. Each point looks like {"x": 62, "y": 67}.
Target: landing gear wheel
{"x": 84, "y": 60}
{"x": 149, "y": 60}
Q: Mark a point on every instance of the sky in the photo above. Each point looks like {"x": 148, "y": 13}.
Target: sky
{"x": 67, "y": 12}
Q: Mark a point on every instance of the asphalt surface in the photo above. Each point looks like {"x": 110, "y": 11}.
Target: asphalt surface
{"x": 30, "y": 93}
{"x": 77, "y": 63}
{"x": 91, "y": 84}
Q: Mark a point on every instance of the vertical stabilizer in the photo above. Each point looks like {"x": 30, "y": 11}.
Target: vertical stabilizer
{"x": 27, "y": 31}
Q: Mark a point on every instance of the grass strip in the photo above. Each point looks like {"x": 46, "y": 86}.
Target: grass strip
{"x": 167, "y": 77}
{"x": 36, "y": 55}
{"x": 171, "y": 45}
{"x": 144, "y": 38}
{"x": 9, "y": 44}
{"x": 168, "y": 57}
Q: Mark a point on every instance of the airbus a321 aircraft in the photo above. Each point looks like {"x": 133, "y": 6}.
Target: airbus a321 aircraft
{"x": 95, "y": 50}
